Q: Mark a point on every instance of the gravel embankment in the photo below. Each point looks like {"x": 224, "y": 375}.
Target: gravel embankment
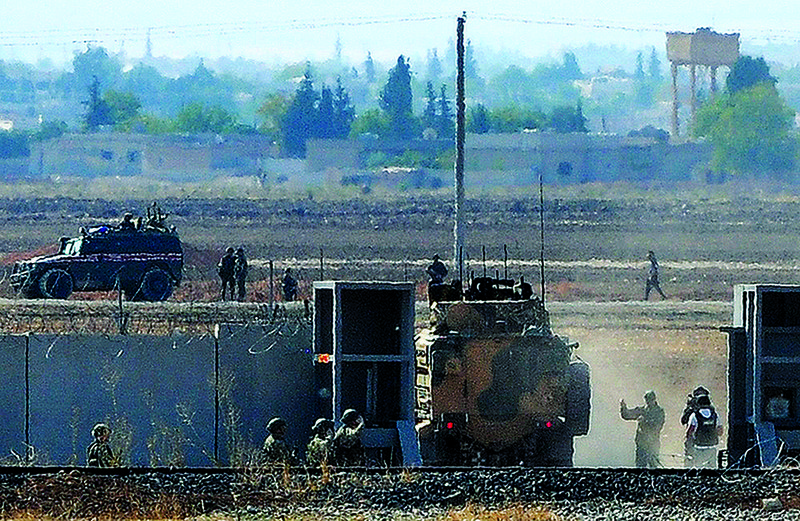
{"x": 570, "y": 494}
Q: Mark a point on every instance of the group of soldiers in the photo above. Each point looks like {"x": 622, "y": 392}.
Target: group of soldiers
{"x": 342, "y": 447}
{"x": 703, "y": 429}
{"x": 232, "y": 269}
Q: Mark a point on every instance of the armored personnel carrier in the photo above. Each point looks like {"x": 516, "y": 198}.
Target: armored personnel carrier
{"x": 496, "y": 386}
{"x": 144, "y": 260}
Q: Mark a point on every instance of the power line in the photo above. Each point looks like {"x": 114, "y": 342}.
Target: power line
{"x": 60, "y": 37}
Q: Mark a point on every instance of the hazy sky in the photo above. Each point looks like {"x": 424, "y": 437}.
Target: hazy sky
{"x": 281, "y": 30}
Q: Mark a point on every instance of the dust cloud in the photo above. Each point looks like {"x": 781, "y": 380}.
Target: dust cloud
{"x": 626, "y": 363}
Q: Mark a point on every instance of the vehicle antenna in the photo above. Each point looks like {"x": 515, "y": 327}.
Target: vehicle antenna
{"x": 483, "y": 249}
{"x": 541, "y": 229}
{"x": 458, "y": 229}
{"x": 505, "y": 261}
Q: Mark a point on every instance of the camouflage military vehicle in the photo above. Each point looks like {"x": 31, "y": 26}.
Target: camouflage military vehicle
{"x": 495, "y": 385}
{"x": 145, "y": 261}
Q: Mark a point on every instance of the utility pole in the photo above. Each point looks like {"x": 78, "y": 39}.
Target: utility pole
{"x": 458, "y": 229}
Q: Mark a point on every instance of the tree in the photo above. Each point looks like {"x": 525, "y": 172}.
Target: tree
{"x": 13, "y": 144}
{"x": 445, "y": 127}
{"x": 300, "y": 121}
{"x": 343, "y": 111}
{"x": 570, "y": 69}
{"x": 373, "y": 122}
{"x": 195, "y": 118}
{"x": 470, "y": 63}
{"x": 273, "y": 111}
{"x": 98, "y": 112}
{"x": 565, "y": 119}
{"x": 639, "y": 72}
{"x": 516, "y": 119}
{"x": 654, "y": 67}
{"x": 124, "y": 106}
{"x": 429, "y": 114}
{"x": 478, "y": 120}
{"x": 396, "y": 100}
{"x": 93, "y": 64}
{"x": 748, "y": 72}
{"x": 750, "y": 131}
{"x": 434, "y": 65}
{"x": 369, "y": 68}
{"x": 326, "y": 125}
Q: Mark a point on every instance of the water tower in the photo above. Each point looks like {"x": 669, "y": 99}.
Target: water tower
{"x": 703, "y": 47}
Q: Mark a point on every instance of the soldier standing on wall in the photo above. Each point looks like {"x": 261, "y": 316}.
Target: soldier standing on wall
{"x": 240, "y": 272}
{"x": 652, "y": 277}
{"x": 276, "y": 450}
{"x": 99, "y": 453}
{"x": 320, "y": 448}
{"x": 289, "y": 285}
{"x": 648, "y": 431}
{"x": 348, "y": 448}
{"x": 225, "y": 270}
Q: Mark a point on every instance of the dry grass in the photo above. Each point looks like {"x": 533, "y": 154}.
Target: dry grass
{"x": 509, "y": 513}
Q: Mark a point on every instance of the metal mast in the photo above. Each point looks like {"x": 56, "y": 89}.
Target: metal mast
{"x": 458, "y": 230}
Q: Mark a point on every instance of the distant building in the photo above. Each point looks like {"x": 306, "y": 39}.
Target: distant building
{"x": 165, "y": 156}
{"x": 515, "y": 159}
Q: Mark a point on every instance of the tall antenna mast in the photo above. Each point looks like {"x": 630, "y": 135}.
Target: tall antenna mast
{"x": 541, "y": 228}
{"x": 458, "y": 229}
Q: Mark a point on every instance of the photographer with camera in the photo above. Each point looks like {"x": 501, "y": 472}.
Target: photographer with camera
{"x": 691, "y": 403}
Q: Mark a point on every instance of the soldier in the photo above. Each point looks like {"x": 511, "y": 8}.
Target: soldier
{"x": 652, "y": 277}
{"x": 99, "y": 453}
{"x": 240, "y": 272}
{"x": 320, "y": 447}
{"x": 127, "y": 223}
{"x": 275, "y": 449}
{"x": 703, "y": 431}
{"x": 289, "y": 285}
{"x": 648, "y": 431}
{"x": 437, "y": 271}
{"x": 225, "y": 270}
{"x": 348, "y": 448}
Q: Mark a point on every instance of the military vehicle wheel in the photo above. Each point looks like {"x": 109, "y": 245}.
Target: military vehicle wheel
{"x": 579, "y": 398}
{"x": 156, "y": 285}
{"x": 56, "y": 283}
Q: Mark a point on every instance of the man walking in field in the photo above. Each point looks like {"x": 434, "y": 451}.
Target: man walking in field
{"x": 648, "y": 432}
{"x": 652, "y": 277}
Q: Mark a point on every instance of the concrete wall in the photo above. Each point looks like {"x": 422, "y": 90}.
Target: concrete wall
{"x": 168, "y": 399}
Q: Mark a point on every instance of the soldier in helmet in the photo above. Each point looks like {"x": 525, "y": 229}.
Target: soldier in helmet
{"x": 320, "y": 447}
{"x": 99, "y": 453}
{"x": 275, "y": 449}
{"x": 648, "y": 431}
{"x": 348, "y": 449}
{"x": 127, "y": 223}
